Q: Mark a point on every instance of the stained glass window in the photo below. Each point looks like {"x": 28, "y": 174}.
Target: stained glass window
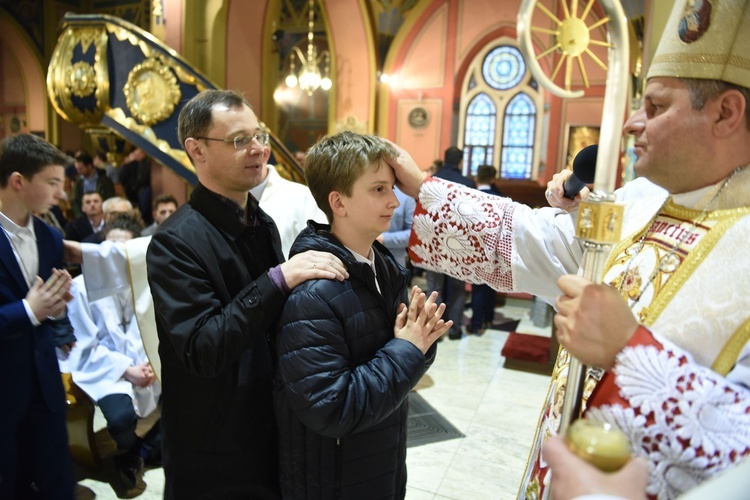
{"x": 479, "y": 132}
{"x": 503, "y": 68}
{"x": 519, "y": 124}
{"x": 501, "y": 104}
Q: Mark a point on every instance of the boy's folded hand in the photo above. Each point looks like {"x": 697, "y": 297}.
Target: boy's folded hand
{"x": 421, "y": 322}
{"x": 48, "y": 299}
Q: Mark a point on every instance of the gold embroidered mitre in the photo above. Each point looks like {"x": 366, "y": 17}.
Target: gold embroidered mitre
{"x": 707, "y": 39}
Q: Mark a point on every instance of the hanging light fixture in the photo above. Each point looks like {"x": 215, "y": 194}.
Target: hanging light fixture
{"x": 310, "y": 76}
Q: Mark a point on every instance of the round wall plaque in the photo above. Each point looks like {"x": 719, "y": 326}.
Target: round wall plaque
{"x": 418, "y": 117}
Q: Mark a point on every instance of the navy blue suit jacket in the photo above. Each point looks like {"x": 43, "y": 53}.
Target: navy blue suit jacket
{"x": 25, "y": 348}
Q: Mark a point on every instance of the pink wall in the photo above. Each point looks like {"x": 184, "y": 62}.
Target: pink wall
{"x": 353, "y": 53}
{"x": 420, "y": 82}
{"x": 173, "y": 17}
{"x": 31, "y": 78}
{"x": 478, "y": 18}
{"x": 14, "y": 94}
{"x": 244, "y": 49}
{"x": 424, "y": 70}
{"x": 431, "y": 62}
{"x": 421, "y": 70}
{"x": 165, "y": 181}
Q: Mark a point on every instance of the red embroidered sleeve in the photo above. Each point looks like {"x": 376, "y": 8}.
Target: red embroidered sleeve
{"x": 687, "y": 420}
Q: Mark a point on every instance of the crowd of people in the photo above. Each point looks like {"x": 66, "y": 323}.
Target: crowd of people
{"x": 288, "y": 333}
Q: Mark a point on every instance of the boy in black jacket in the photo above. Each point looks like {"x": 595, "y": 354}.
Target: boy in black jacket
{"x": 344, "y": 369}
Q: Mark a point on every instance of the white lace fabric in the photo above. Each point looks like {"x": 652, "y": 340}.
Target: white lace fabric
{"x": 461, "y": 231}
{"x": 686, "y": 420}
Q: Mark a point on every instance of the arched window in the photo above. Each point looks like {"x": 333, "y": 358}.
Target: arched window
{"x": 479, "y": 138}
{"x": 500, "y": 113}
{"x": 519, "y": 126}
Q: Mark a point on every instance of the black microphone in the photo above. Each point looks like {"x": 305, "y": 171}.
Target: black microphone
{"x": 584, "y": 169}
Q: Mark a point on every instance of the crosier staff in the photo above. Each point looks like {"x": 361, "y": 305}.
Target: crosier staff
{"x": 600, "y": 219}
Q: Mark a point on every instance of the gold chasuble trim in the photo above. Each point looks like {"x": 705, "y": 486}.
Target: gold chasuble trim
{"x": 143, "y": 304}
{"x": 717, "y": 222}
{"x": 558, "y": 380}
{"x": 727, "y": 358}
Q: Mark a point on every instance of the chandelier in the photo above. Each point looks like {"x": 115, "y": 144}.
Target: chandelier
{"x": 310, "y": 76}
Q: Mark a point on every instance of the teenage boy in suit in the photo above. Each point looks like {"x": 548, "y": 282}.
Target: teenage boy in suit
{"x": 34, "y": 454}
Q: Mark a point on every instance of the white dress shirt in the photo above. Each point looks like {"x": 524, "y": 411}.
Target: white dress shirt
{"x": 23, "y": 242}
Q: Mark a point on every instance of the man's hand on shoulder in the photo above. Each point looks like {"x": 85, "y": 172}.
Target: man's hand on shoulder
{"x": 313, "y": 265}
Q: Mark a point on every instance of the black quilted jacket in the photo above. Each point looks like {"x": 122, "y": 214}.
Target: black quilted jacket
{"x": 343, "y": 380}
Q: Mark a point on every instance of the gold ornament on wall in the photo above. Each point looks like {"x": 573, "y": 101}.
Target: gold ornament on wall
{"x": 152, "y": 91}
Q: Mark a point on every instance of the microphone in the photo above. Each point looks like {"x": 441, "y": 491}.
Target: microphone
{"x": 584, "y": 169}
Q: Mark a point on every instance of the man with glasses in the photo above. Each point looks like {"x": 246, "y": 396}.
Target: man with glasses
{"x": 290, "y": 204}
{"x": 219, "y": 281}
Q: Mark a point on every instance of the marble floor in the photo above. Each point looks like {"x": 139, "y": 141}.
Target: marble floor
{"x": 495, "y": 408}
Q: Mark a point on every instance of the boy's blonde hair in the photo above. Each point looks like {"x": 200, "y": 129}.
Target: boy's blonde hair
{"x": 337, "y": 161}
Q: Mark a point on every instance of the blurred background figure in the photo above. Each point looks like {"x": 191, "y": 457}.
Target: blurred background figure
{"x": 101, "y": 163}
{"x": 135, "y": 177}
{"x": 164, "y": 206}
{"x": 451, "y": 290}
{"x": 483, "y": 297}
{"x": 89, "y": 179}
{"x": 300, "y": 157}
{"x": 111, "y": 208}
{"x": 396, "y": 239}
{"x": 110, "y": 365}
{"x": 90, "y": 221}
{"x": 436, "y": 165}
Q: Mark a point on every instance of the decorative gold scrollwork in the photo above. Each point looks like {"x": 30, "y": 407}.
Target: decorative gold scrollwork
{"x": 81, "y": 79}
{"x": 70, "y": 77}
{"x": 152, "y": 91}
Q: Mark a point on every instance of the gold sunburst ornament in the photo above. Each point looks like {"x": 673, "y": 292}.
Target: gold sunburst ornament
{"x": 572, "y": 39}
{"x": 152, "y": 91}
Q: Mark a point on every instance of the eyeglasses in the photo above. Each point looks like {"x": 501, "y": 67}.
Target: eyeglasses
{"x": 242, "y": 141}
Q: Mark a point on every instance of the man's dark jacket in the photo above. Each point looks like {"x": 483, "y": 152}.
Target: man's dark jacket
{"x": 79, "y": 228}
{"x": 452, "y": 173}
{"x": 215, "y": 308}
{"x": 343, "y": 379}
